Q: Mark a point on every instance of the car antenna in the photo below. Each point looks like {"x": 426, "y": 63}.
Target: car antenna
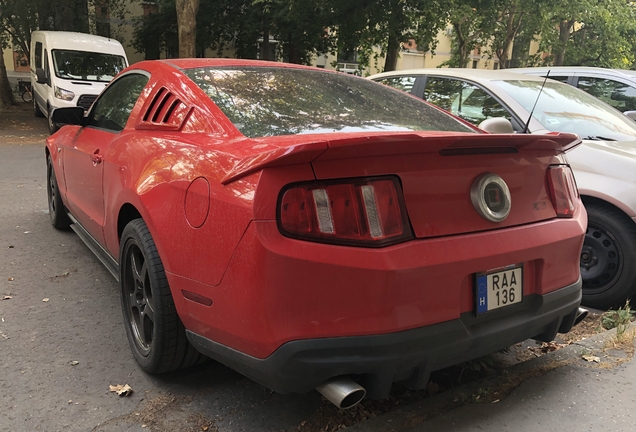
{"x": 525, "y": 129}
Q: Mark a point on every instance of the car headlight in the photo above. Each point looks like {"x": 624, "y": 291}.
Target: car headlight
{"x": 60, "y": 93}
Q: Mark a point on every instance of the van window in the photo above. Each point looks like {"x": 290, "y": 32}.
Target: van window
{"x": 47, "y": 71}
{"x": 113, "y": 107}
{"x": 87, "y": 66}
{"x": 38, "y": 54}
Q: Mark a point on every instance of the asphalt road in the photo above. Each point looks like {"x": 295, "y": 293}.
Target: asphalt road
{"x": 63, "y": 344}
{"x": 62, "y": 338}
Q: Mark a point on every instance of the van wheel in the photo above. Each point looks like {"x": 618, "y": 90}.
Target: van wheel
{"x": 609, "y": 251}
{"x": 53, "y": 127}
{"x": 36, "y": 109}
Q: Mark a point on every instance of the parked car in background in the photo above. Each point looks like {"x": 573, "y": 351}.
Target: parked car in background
{"x": 71, "y": 69}
{"x": 616, "y": 87}
{"x": 305, "y": 226}
{"x": 604, "y": 166}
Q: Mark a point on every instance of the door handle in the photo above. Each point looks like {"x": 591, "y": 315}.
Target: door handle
{"x": 96, "y": 158}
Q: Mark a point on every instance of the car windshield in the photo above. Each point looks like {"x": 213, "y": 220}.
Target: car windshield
{"x": 563, "y": 108}
{"x": 269, "y": 101}
{"x": 87, "y": 66}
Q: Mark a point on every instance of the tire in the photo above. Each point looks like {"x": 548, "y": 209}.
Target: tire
{"x": 26, "y": 96}
{"x": 57, "y": 211}
{"x": 155, "y": 333}
{"x": 608, "y": 257}
{"x": 53, "y": 127}
{"x": 36, "y": 109}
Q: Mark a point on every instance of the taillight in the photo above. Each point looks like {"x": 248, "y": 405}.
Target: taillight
{"x": 365, "y": 212}
{"x": 563, "y": 191}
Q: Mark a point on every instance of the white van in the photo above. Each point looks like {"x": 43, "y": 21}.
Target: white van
{"x": 71, "y": 69}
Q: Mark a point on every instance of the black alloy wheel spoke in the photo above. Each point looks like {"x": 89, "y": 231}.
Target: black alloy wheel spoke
{"x": 142, "y": 315}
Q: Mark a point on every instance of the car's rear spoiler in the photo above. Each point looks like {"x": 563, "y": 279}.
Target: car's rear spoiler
{"x": 357, "y": 145}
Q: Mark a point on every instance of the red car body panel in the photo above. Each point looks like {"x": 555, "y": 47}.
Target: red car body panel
{"x": 307, "y": 290}
{"x": 209, "y": 198}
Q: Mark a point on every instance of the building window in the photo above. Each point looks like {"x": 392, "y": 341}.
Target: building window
{"x": 475, "y": 62}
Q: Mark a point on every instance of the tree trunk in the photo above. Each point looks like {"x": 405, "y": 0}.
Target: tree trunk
{"x": 187, "y": 24}
{"x": 293, "y": 54}
{"x": 392, "y": 51}
{"x": 70, "y": 15}
{"x": 462, "y": 46}
{"x": 265, "y": 45}
{"x": 564, "y": 36}
{"x": 6, "y": 94}
{"x": 102, "y": 18}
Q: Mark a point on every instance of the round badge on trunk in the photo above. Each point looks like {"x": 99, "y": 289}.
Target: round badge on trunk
{"x": 491, "y": 197}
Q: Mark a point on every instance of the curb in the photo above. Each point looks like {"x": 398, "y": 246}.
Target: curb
{"x": 408, "y": 416}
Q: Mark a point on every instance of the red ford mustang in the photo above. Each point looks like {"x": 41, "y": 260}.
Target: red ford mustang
{"x": 306, "y": 227}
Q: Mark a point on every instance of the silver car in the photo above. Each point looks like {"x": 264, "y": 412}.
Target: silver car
{"x": 604, "y": 165}
{"x": 617, "y": 87}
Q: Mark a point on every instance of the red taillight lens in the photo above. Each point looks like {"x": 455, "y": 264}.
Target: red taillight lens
{"x": 367, "y": 212}
{"x": 563, "y": 191}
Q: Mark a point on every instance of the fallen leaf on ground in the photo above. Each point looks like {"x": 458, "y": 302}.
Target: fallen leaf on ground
{"x": 11, "y": 279}
{"x": 45, "y": 299}
{"x": 7, "y": 298}
{"x": 591, "y": 358}
{"x": 121, "y": 390}
{"x": 74, "y": 363}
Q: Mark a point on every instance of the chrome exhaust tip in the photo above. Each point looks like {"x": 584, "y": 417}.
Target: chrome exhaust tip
{"x": 580, "y": 315}
{"x": 343, "y": 392}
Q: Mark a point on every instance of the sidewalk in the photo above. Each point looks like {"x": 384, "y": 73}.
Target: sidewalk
{"x": 559, "y": 391}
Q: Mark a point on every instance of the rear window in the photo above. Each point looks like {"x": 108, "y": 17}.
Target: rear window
{"x": 269, "y": 101}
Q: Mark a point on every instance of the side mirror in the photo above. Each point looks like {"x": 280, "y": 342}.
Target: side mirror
{"x": 630, "y": 114}
{"x": 497, "y": 125}
{"x": 41, "y": 76}
{"x": 68, "y": 116}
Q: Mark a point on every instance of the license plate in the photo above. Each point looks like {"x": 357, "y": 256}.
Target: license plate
{"x": 498, "y": 289}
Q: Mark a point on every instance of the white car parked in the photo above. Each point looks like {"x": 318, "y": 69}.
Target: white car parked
{"x": 604, "y": 165}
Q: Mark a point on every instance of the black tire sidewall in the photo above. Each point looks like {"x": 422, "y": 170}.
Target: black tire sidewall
{"x": 36, "y": 109}
{"x": 623, "y": 231}
{"x": 57, "y": 213}
{"x": 52, "y": 126}
{"x": 137, "y": 232}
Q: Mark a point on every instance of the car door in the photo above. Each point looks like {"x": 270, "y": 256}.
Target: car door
{"x": 84, "y": 159}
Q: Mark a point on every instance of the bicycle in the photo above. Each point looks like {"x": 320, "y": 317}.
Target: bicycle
{"x": 25, "y": 91}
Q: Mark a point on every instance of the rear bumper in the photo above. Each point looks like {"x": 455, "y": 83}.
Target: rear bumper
{"x": 407, "y": 356}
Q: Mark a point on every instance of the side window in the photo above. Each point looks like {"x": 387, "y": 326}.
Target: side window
{"x": 38, "y": 55}
{"x": 463, "y": 99}
{"x": 404, "y": 83}
{"x": 563, "y": 79}
{"x": 620, "y": 96}
{"x": 113, "y": 107}
{"x": 46, "y": 65}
